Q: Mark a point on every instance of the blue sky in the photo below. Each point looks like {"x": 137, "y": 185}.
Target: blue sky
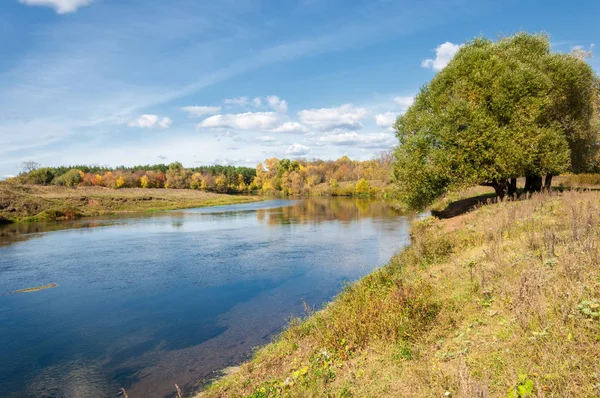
{"x": 235, "y": 81}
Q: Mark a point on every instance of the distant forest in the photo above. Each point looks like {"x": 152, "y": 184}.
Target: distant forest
{"x": 274, "y": 176}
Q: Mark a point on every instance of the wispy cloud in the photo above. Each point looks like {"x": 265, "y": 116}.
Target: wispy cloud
{"x": 386, "y": 119}
{"x": 404, "y": 102}
{"x": 372, "y": 140}
{"x": 266, "y": 138}
{"x": 150, "y": 121}
{"x": 93, "y": 73}
{"x": 60, "y": 6}
{"x": 198, "y": 111}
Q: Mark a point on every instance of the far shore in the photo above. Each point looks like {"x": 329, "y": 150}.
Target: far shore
{"x": 30, "y": 203}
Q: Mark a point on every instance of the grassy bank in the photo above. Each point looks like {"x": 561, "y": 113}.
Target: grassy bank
{"x": 33, "y": 203}
{"x": 502, "y": 301}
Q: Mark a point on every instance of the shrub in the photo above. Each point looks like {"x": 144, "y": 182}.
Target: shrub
{"x": 362, "y": 187}
{"x": 71, "y": 178}
{"x": 41, "y": 176}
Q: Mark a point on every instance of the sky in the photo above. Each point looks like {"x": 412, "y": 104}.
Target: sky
{"x": 127, "y": 82}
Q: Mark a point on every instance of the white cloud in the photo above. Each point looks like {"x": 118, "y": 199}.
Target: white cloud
{"x": 581, "y": 52}
{"x": 297, "y": 150}
{"x": 273, "y": 101}
{"x": 278, "y": 105}
{"x": 343, "y": 117}
{"x": 243, "y": 121}
{"x": 374, "y": 140}
{"x": 266, "y": 138}
{"x": 226, "y": 134}
{"x": 198, "y": 111}
{"x": 386, "y": 119}
{"x": 60, "y": 81}
{"x": 404, "y": 102}
{"x": 150, "y": 121}
{"x": 244, "y": 102}
{"x": 443, "y": 55}
{"x": 239, "y": 101}
{"x": 231, "y": 162}
{"x": 290, "y": 128}
{"x": 60, "y": 6}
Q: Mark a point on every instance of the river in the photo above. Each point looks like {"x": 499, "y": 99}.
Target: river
{"x": 147, "y": 302}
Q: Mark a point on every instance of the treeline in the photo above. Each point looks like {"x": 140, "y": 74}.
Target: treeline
{"x": 342, "y": 177}
{"x": 174, "y": 176}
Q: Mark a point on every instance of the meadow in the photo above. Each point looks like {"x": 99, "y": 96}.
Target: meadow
{"x": 500, "y": 301}
{"x": 25, "y": 203}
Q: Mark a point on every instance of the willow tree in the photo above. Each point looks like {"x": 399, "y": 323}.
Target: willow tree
{"x": 498, "y": 111}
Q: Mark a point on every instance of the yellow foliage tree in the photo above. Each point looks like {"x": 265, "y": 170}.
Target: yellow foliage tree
{"x": 145, "y": 181}
{"x": 196, "y": 181}
{"x": 362, "y": 187}
{"x": 221, "y": 183}
{"x": 98, "y": 180}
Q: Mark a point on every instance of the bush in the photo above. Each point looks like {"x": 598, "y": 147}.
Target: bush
{"x": 362, "y": 187}
{"x": 71, "y": 178}
{"x": 41, "y": 176}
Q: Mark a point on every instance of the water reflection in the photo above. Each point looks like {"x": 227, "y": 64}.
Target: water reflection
{"x": 11, "y": 233}
{"x": 149, "y": 301}
{"x": 317, "y": 210}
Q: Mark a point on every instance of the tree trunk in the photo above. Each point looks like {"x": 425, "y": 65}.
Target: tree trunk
{"x": 548, "y": 182}
{"x": 501, "y": 187}
{"x": 533, "y": 183}
{"x": 512, "y": 187}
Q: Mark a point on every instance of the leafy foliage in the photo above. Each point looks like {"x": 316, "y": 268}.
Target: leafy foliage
{"x": 524, "y": 388}
{"x": 362, "y": 187}
{"x": 71, "y": 178}
{"x": 499, "y": 110}
{"x": 276, "y": 176}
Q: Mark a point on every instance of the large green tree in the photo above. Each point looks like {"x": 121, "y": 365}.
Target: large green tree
{"x": 498, "y": 111}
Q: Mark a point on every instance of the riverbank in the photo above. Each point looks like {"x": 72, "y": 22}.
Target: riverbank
{"x": 23, "y": 203}
{"x": 504, "y": 299}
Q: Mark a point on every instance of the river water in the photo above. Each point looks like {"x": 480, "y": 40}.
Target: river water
{"x": 151, "y": 301}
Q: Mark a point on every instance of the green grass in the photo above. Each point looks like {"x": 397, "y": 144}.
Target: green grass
{"x": 25, "y": 203}
{"x": 502, "y": 301}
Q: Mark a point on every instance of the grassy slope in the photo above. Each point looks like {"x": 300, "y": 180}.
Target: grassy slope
{"x": 30, "y": 203}
{"x": 504, "y": 297}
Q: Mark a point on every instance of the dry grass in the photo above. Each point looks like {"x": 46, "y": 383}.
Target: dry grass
{"x": 378, "y": 189}
{"x": 578, "y": 181}
{"x": 503, "y": 301}
{"x": 28, "y": 202}
{"x": 36, "y": 289}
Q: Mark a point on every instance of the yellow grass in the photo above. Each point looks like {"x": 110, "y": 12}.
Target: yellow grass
{"x": 36, "y": 289}
{"x": 28, "y": 202}
{"x": 503, "y": 301}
